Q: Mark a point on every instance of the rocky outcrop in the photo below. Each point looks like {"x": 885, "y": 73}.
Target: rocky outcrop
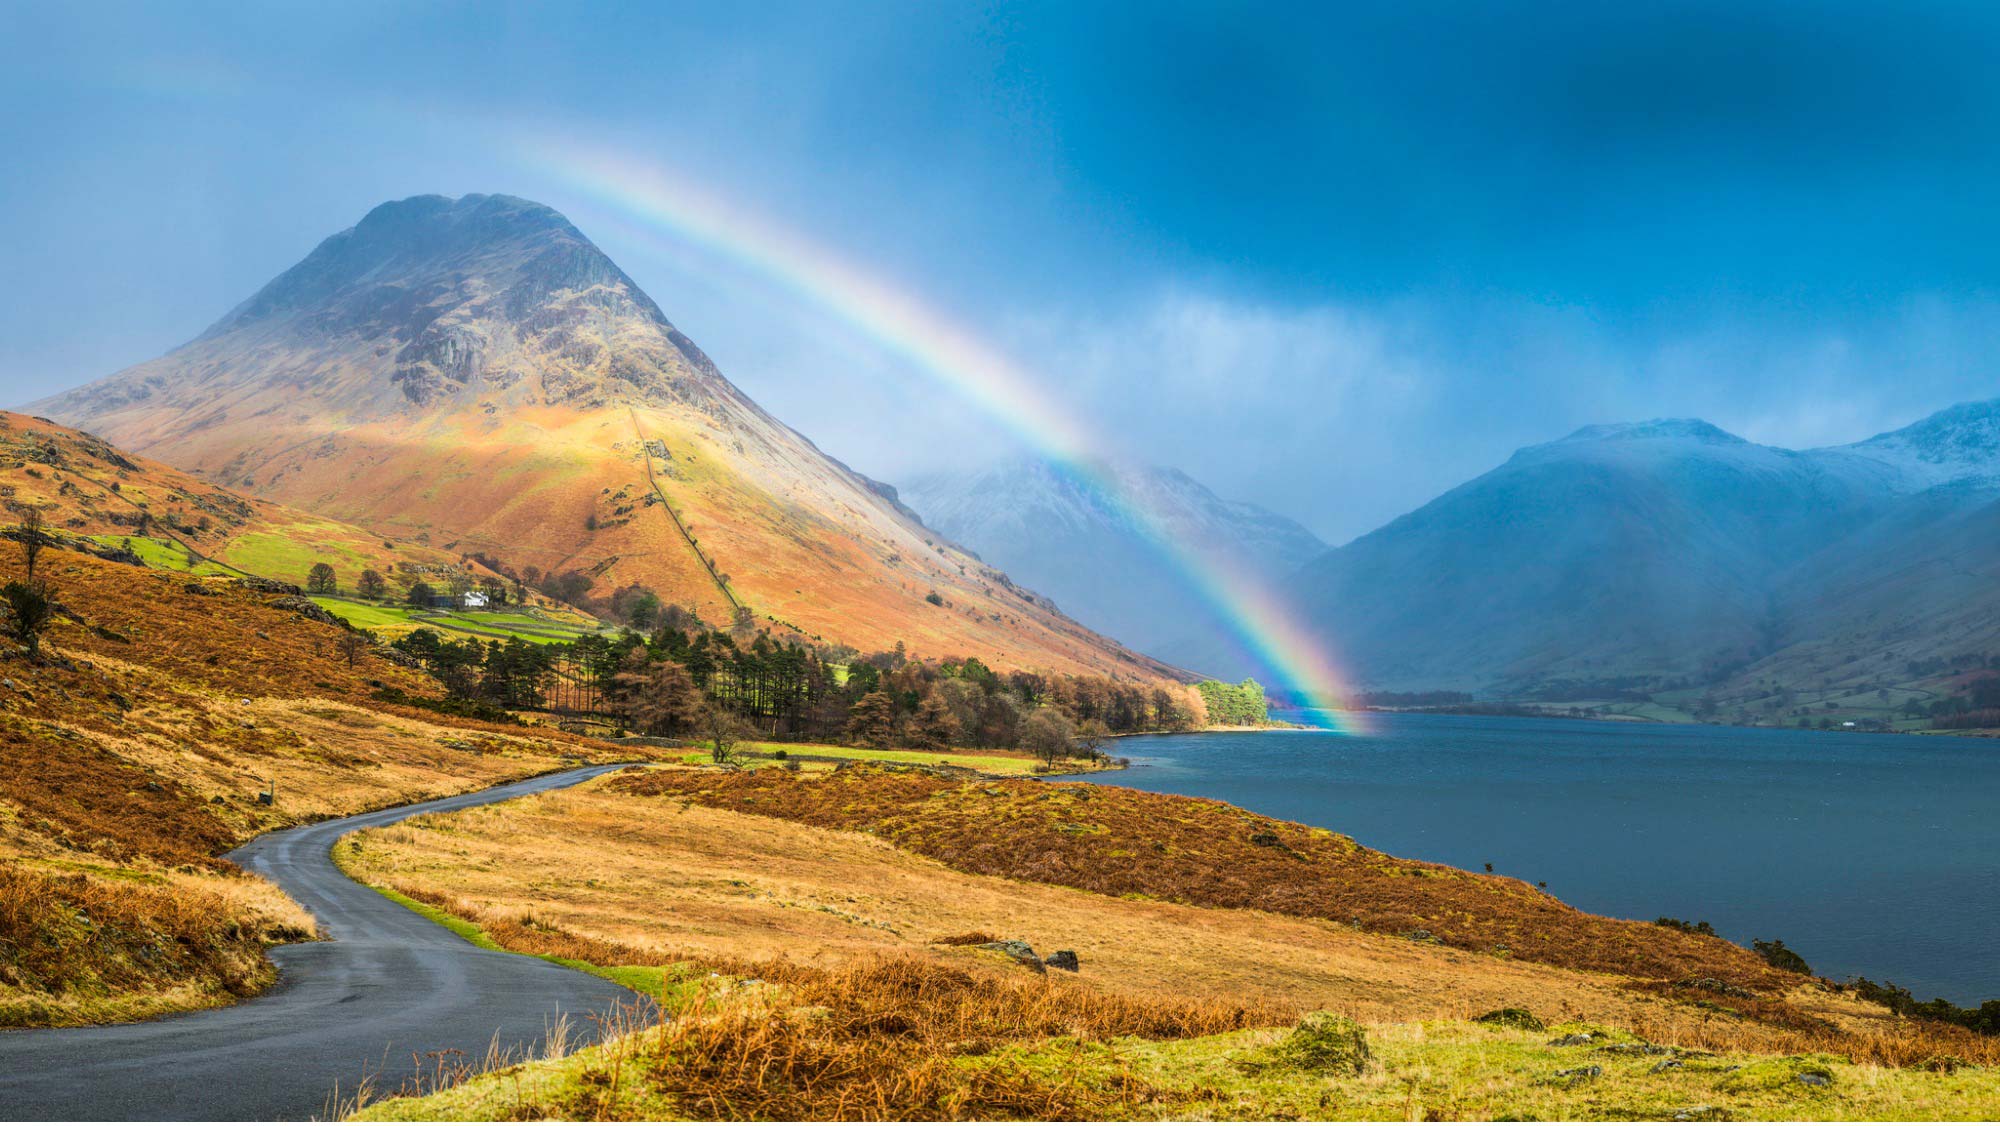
{"x": 305, "y": 608}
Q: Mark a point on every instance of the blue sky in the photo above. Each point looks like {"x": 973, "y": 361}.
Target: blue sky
{"x": 1331, "y": 258}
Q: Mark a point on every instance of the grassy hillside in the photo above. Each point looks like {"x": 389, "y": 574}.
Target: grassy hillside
{"x": 176, "y": 521}
{"x": 1116, "y": 841}
{"x": 134, "y": 755}
{"x": 96, "y": 497}
{"x": 821, "y": 972}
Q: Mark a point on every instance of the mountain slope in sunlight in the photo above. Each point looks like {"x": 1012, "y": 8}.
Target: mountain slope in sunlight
{"x": 474, "y": 374}
{"x": 91, "y": 493}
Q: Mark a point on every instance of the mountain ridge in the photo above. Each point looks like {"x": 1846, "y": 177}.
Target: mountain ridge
{"x": 1671, "y": 553}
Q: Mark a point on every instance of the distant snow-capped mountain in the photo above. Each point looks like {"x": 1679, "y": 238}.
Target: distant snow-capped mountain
{"x": 1671, "y": 551}
{"x": 1956, "y": 446}
{"x": 1078, "y": 539}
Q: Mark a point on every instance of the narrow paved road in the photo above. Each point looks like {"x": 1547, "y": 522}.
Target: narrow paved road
{"x": 390, "y": 984}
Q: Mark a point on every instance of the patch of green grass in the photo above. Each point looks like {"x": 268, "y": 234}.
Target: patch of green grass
{"x": 988, "y": 763}
{"x": 163, "y": 554}
{"x": 364, "y": 615}
{"x": 288, "y": 558}
{"x": 490, "y": 622}
{"x": 485, "y": 625}
{"x": 1429, "y": 1071}
{"x": 1453, "y": 1070}
{"x": 498, "y": 1096}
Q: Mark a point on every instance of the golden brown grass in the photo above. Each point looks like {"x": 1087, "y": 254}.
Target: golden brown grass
{"x": 1117, "y": 841}
{"x": 614, "y": 879}
{"x": 878, "y": 1040}
{"x": 811, "y": 917}
{"x": 123, "y": 945}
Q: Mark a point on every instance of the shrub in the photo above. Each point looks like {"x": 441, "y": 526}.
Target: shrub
{"x": 29, "y": 611}
{"x": 969, "y": 938}
{"x": 1684, "y": 926}
{"x": 1781, "y": 956}
{"x": 1985, "y": 1019}
{"x": 1322, "y": 1043}
{"x": 1512, "y": 1018}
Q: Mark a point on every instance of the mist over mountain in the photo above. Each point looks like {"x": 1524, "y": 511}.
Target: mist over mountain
{"x": 1670, "y": 554}
{"x": 474, "y": 374}
{"x": 1072, "y": 538}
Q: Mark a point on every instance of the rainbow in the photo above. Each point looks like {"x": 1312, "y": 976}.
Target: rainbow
{"x": 656, "y": 202}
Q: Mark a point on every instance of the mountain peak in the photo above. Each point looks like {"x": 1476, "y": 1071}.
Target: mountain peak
{"x": 1657, "y": 428}
{"x": 408, "y": 257}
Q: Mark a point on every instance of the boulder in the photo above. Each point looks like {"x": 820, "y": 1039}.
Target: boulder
{"x": 1575, "y": 1039}
{"x": 267, "y": 586}
{"x": 1022, "y": 953}
{"x": 1063, "y": 960}
{"x": 1715, "y": 985}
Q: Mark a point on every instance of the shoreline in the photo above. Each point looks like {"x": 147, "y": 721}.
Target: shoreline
{"x": 1496, "y": 712}
{"x": 1220, "y": 729}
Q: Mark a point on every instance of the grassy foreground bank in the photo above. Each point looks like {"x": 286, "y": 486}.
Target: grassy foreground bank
{"x": 751, "y": 1053}
{"x": 833, "y": 970}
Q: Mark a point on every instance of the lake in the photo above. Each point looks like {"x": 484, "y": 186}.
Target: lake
{"x": 1871, "y": 855}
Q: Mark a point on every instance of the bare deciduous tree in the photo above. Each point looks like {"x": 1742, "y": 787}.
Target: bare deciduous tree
{"x": 32, "y": 538}
{"x": 723, "y": 730}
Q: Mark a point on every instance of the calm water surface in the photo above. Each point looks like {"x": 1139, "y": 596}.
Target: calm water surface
{"x": 1874, "y": 855}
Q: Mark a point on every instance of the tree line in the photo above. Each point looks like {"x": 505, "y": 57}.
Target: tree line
{"x": 677, "y": 680}
{"x": 1235, "y": 705}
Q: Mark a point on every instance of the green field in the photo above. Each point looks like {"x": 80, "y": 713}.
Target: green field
{"x": 289, "y": 556}
{"x": 163, "y": 554}
{"x": 394, "y": 621}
